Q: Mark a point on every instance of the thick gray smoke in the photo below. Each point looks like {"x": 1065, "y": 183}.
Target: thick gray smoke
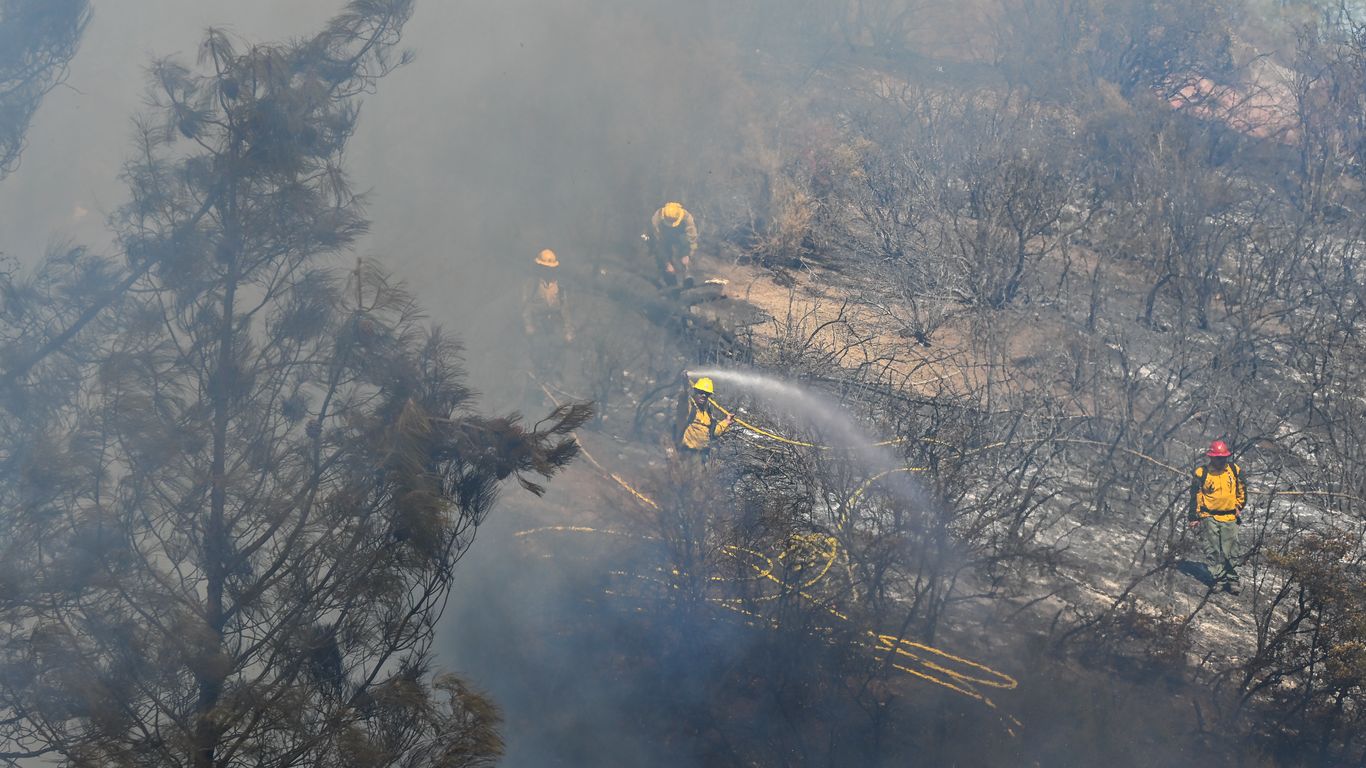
{"x": 68, "y": 180}
{"x": 522, "y": 125}
{"x": 530, "y": 124}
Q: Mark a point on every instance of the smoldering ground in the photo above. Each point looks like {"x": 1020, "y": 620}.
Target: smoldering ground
{"x": 579, "y": 619}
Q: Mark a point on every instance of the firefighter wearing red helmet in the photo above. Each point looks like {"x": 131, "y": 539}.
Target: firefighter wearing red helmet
{"x": 1218, "y": 496}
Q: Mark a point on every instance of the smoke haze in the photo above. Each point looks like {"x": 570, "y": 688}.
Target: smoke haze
{"x": 530, "y": 124}
{"x": 521, "y": 124}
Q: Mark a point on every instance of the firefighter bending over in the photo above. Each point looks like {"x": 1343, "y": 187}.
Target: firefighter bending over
{"x": 700, "y": 422}
{"x": 1218, "y": 496}
{"x": 546, "y": 316}
{"x": 673, "y": 241}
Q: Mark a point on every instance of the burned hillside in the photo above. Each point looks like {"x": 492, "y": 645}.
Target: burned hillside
{"x": 824, "y": 382}
{"x": 1049, "y": 285}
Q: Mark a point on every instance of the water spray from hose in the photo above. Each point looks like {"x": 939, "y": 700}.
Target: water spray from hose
{"x": 827, "y": 416}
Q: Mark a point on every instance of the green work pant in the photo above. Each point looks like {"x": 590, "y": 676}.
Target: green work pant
{"x": 547, "y": 347}
{"x": 1221, "y": 547}
{"x": 701, "y": 456}
{"x": 670, "y": 251}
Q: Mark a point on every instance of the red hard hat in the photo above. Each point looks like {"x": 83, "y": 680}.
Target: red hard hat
{"x": 1218, "y": 448}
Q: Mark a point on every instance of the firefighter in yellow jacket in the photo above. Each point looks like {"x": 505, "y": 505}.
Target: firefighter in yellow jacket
{"x": 673, "y": 241}
{"x": 545, "y": 316}
{"x": 700, "y": 422}
{"x": 1218, "y": 496}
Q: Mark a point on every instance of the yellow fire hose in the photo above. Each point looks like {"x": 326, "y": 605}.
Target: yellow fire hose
{"x": 901, "y": 652}
{"x": 933, "y": 665}
{"x": 925, "y": 662}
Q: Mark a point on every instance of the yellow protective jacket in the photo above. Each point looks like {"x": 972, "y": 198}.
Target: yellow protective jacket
{"x": 1220, "y": 496}
{"x": 697, "y": 427}
{"x": 662, "y": 232}
{"x": 543, "y": 307}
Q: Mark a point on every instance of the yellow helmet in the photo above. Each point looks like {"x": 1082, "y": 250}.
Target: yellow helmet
{"x": 674, "y": 212}
{"x": 547, "y": 258}
{"x": 704, "y": 385}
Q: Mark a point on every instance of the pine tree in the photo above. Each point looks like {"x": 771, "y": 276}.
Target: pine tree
{"x": 230, "y": 544}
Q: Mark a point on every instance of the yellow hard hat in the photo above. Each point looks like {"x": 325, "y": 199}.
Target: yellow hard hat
{"x": 674, "y": 212}
{"x": 704, "y": 385}
{"x": 547, "y": 259}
